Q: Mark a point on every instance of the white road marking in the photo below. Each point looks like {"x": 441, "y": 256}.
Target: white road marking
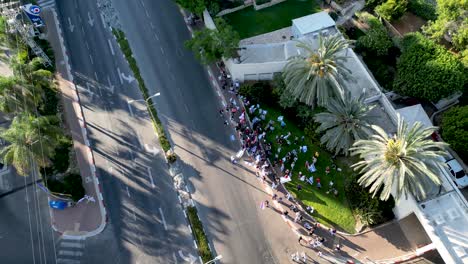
{"x": 111, "y": 87}
{"x": 128, "y": 78}
{"x": 186, "y": 108}
{"x": 147, "y": 14}
{"x": 151, "y": 149}
{"x": 162, "y": 50}
{"x": 110, "y": 46}
{"x": 82, "y": 29}
{"x": 152, "y": 25}
{"x": 151, "y": 177}
{"x": 142, "y": 3}
{"x": 91, "y": 58}
{"x": 87, "y": 45}
{"x": 174, "y": 257}
{"x": 95, "y": 75}
{"x": 156, "y": 36}
{"x": 132, "y": 157}
{"x": 162, "y": 218}
{"x": 128, "y": 192}
{"x": 70, "y": 25}
{"x": 102, "y": 20}
{"x": 134, "y": 215}
{"x": 90, "y": 20}
{"x": 130, "y": 108}
{"x": 120, "y": 75}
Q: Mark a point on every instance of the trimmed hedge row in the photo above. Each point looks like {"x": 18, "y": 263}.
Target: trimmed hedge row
{"x": 199, "y": 233}
{"x": 125, "y": 47}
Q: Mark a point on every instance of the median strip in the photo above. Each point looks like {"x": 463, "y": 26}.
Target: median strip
{"x": 199, "y": 233}
{"x": 125, "y": 47}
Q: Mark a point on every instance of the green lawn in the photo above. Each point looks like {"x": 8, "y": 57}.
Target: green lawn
{"x": 329, "y": 210}
{"x": 249, "y": 22}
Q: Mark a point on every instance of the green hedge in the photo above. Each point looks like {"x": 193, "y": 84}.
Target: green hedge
{"x": 422, "y": 9}
{"x": 199, "y": 233}
{"x": 455, "y": 129}
{"x": 125, "y": 47}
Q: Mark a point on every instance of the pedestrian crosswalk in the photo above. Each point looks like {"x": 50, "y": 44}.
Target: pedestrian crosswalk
{"x": 46, "y": 3}
{"x": 70, "y": 251}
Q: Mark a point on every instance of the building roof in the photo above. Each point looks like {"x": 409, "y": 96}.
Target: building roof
{"x": 448, "y": 219}
{"x": 313, "y": 23}
{"x": 415, "y": 113}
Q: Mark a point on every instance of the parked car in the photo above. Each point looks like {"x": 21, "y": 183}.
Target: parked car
{"x": 60, "y": 205}
{"x": 458, "y": 175}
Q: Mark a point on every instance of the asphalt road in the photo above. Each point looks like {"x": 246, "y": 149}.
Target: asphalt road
{"x": 26, "y": 235}
{"x": 188, "y": 106}
{"x": 146, "y": 223}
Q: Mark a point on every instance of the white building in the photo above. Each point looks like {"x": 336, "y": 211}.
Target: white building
{"x": 444, "y": 217}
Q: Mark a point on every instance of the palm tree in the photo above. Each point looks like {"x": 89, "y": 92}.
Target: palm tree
{"x": 345, "y": 121}
{"x": 317, "y": 75}
{"x": 17, "y": 96}
{"x": 32, "y": 142}
{"x": 409, "y": 160}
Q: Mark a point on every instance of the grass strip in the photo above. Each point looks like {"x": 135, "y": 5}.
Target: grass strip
{"x": 127, "y": 51}
{"x": 199, "y": 233}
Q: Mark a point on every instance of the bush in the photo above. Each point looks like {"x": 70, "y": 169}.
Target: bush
{"x": 422, "y": 9}
{"x": 333, "y": 15}
{"x": 427, "y": 70}
{"x": 61, "y": 159}
{"x": 199, "y": 233}
{"x": 257, "y": 92}
{"x": 371, "y": 4}
{"x": 376, "y": 39}
{"x": 392, "y": 9}
{"x": 71, "y": 185}
{"x": 455, "y": 129}
{"x": 371, "y": 211}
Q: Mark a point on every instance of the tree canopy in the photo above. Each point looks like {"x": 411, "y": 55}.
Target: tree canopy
{"x": 376, "y": 39}
{"x": 455, "y": 129}
{"x": 427, "y": 70}
{"x": 210, "y": 45}
{"x": 452, "y": 19}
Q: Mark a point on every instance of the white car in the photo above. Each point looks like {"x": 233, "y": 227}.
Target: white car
{"x": 459, "y": 176}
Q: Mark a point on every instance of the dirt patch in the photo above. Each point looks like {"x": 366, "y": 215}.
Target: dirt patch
{"x": 409, "y": 22}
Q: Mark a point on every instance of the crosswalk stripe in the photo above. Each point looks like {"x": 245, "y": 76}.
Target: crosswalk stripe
{"x": 70, "y": 253}
{"x": 71, "y": 244}
{"x": 46, "y": 3}
{"x": 68, "y": 261}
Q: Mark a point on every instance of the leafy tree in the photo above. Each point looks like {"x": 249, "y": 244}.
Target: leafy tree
{"x": 392, "y": 9}
{"x": 345, "y": 121}
{"x": 427, "y": 70}
{"x": 17, "y": 96}
{"x": 316, "y": 75}
{"x": 422, "y": 8}
{"x": 376, "y": 39}
{"x": 409, "y": 160}
{"x": 194, "y": 6}
{"x": 32, "y": 142}
{"x": 210, "y": 45}
{"x": 371, "y": 4}
{"x": 455, "y": 129}
{"x": 452, "y": 20}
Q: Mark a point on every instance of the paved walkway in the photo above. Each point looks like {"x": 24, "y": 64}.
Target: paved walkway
{"x": 87, "y": 218}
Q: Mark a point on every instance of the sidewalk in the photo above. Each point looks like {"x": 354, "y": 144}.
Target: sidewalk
{"x": 86, "y": 218}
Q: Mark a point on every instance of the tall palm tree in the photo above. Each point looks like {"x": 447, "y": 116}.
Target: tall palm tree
{"x": 32, "y": 142}
{"x": 345, "y": 121}
{"x": 18, "y": 96}
{"x": 317, "y": 75}
{"x": 410, "y": 160}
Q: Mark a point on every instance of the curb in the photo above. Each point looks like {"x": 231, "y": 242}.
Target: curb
{"x": 84, "y": 132}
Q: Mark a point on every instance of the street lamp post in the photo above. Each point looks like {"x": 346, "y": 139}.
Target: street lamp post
{"x": 215, "y": 259}
{"x": 129, "y": 102}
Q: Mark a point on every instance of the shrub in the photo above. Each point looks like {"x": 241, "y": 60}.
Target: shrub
{"x": 392, "y": 9}
{"x": 455, "y": 129}
{"x": 423, "y": 9}
{"x": 427, "y": 70}
{"x": 370, "y": 210}
{"x": 199, "y": 233}
{"x": 333, "y": 15}
{"x": 257, "y": 92}
{"x": 71, "y": 185}
{"x": 376, "y": 39}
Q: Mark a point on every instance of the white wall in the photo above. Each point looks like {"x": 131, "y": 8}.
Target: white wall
{"x": 256, "y": 71}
